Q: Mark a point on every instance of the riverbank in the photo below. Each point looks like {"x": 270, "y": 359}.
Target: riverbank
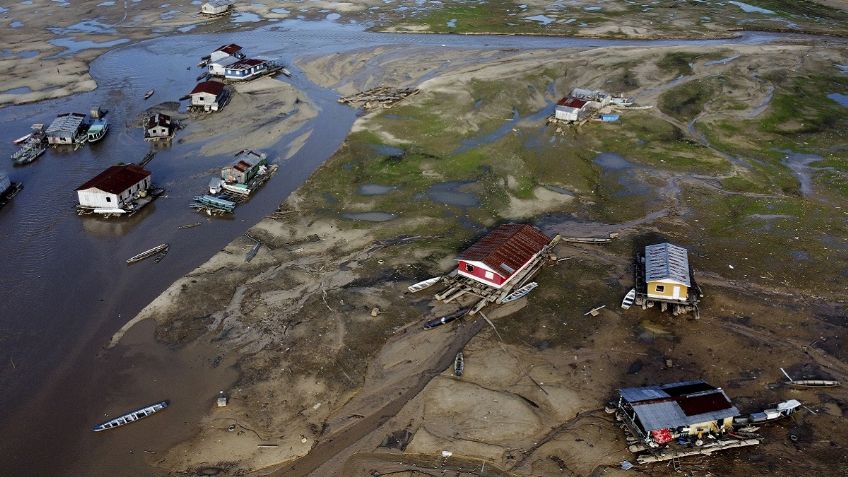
{"x": 327, "y": 387}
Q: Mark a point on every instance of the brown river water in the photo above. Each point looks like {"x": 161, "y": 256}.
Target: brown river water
{"x": 65, "y": 287}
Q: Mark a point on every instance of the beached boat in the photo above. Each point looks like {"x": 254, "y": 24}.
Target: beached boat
{"x": 814, "y": 383}
{"x": 422, "y": 285}
{"x": 148, "y": 94}
{"x": 285, "y": 71}
{"x": 236, "y": 187}
{"x": 458, "y": 364}
{"x": 628, "y": 300}
{"x": 521, "y": 292}
{"x": 162, "y": 248}
{"x": 97, "y": 130}
{"x": 430, "y": 324}
{"x": 131, "y": 416}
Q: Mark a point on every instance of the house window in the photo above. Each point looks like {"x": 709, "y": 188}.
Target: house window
{"x": 660, "y": 288}
{"x": 469, "y": 268}
{"x": 108, "y": 199}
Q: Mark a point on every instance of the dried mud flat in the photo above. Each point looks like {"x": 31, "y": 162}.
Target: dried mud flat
{"x": 328, "y": 388}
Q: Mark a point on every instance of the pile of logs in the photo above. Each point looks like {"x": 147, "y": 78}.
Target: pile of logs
{"x": 379, "y": 97}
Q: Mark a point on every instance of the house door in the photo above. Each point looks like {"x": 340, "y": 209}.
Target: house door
{"x": 675, "y": 293}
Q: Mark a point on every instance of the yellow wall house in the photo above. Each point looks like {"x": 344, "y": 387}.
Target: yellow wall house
{"x": 667, "y": 272}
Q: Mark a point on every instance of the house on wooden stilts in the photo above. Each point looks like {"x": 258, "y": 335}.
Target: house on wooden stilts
{"x": 502, "y": 254}
{"x": 664, "y": 276}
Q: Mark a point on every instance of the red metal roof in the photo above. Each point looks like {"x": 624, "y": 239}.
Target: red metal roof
{"x": 572, "y": 102}
{"x": 242, "y": 166}
{"x": 158, "y": 119}
{"x": 507, "y": 248}
{"x": 245, "y": 64}
{"x": 704, "y": 403}
{"x": 211, "y": 87}
{"x": 117, "y": 179}
{"x": 230, "y": 49}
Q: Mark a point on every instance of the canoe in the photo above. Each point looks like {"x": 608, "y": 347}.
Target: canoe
{"x": 521, "y": 292}
{"x": 629, "y": 299}
{"x": 422, "y": 285}
{"x": 814, "y": 383}
{"x": 131, "y": 416}
{"x": 445, "y": 319}
{"x": 148, "y": 94}
{"x": 22, "y": 139}
{"x": 148, "y": 253}
{"x": 458, "y": 364}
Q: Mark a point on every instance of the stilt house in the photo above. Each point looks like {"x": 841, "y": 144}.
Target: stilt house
{"x": 245, "y": 169}
{"x": 114, "y": 188}
{"x": 208, "y": 96}
{"x": 159, "y": 126}
{"x": 216, "y": 7}
{"x": 224, "y": 56}
{"x": 667, "y": 272}
{"x": 502, "y": 254}
{"x": 657, "y": 415}
{"x": 67, "y": 128}
{"x": 246, "y": 69}
{"x": 571, "y": 109}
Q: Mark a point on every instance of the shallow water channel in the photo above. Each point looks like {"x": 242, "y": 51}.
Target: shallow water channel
{"x": 65, "y": 287}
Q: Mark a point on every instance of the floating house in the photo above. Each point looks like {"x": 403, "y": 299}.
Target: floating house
{"x": 502, "y": 253}
{"x": 216, "y": 7}
{"x": 159, "y": 127}
{"x": 5, "y": 183}
{"x": 67, "y": 128}
{"x": 243, "y": 171}
{"x": 8, "y": 189}
{"x": 571, "y": 109}
{"x": 247, "y": 69}
{"x": 658, "y": 415}
{"x": 223, "y": 57}
{"x": 663, "y": 276}
{"x": 209, "y": 96}
{"x": 115, "y": 190}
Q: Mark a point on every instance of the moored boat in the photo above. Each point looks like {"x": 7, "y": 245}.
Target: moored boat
{"x": 148, "y": 94}
{"x": 131, "y": 416}
{"x": 423, "y": 284}
{"x": 628, "y": 300}
{"x": 97, "y": 130}
{"x": 162, "y": 248}
{"x": 236, "y": 187}
{"x": 458, "y": 364}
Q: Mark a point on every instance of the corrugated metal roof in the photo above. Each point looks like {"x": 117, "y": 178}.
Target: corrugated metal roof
{"x": 211, "y": 87}
{"x": 116, "y": 179}
{"x": 230, "y": 49}
{"x": 158, "y": 119}
{"x": 664, "y": 406}
{"x": 244, "y": 64}
{"x": 665, "y": 261}
{"x": 572, "y": 102}
{"x": 68, "y": 122}
{"x": 507, "y": 248}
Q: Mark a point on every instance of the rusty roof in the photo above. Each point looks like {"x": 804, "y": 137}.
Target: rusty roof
{"x": 158, "y": 119}
{"x": 572, "y": 102}
{"x": 507, "y": 248}
{"x": 117, "y": 179}
{"x": 230, "y": 49}
{"x": 211, "y": 87}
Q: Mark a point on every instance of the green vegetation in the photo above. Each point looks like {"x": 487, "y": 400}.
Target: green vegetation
{"x": 678, "y": 62}
{"x": 686, "y": 101}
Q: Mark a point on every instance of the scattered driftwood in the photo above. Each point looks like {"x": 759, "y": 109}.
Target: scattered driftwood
{"x": 594, "y": 311}
{"x": 379, "y": 97}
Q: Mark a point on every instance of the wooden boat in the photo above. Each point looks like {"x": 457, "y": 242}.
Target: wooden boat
{"x": 458, "y": 364}
{"x": 22, "y": 139}
{"x": 445, "y": 319}
{"x": 97, "y": 130}
{"x": 286, "y": 72}
{"x": 236, "y": 187}
{"x": 28, "y": 153}
{"x": 422, "y": 285}
{"x": 629, "y": 299}
{"x": 148, "y": 94}
{"x": 814, "y": 383}
{"x": 131, "y": 416}
{"x": 148, "y": 253}
{"x": 521, "y": 292}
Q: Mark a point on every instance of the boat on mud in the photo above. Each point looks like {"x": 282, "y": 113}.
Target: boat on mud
{"x": 458, "y": 364}
{"x": 131, "y": 416}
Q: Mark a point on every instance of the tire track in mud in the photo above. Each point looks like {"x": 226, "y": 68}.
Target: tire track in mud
{"x": 337, "y": 442}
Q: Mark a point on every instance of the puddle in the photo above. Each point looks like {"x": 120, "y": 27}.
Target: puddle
{"x": 388, "y": 151}
{"x": 451, "y": 23}
{"x": 16, "y": 24}
{"x": 18, "y": 54}
{"x": 612, "y": 162}
{"x": 543, "y": 19}
{"x": 473, "y": 142}
{"x": 748, "y": 8}
{"x": 73, "y": 46}
{"x": 799, "y": 255}
{"x": 621, "y": 170}
{"x": 800, "y": 165}
{"x": 246, "y": 17}
{"x": 449, "y": 193}
{"x": 722, "y": 61}
{"x": 21, "y": 90}
{"x": 375, "y": 189}
{"x": 370, "y": 216}
{"x": 840, "y": 98}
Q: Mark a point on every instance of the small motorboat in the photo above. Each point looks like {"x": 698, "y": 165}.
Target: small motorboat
{"x": 131, "y": 416}
{"x": 629, "y": 299}
{"x": 422, "y": 285}
{"x": 148, "y": 253}
{"x": 97, "y": 130}
{"x": 149, "y": 94}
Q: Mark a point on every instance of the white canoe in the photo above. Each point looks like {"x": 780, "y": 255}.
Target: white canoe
{"x": 131, "y": 416}
{"x": 523, "y": 291}
{"x": 629, "y": 299}
{"x": 422, "y": 285}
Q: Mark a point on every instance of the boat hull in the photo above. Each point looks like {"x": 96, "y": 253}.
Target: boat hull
{"x": 131, "y": 416}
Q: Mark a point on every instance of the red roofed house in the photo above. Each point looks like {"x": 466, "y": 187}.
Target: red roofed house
{"x": 208, "y": 95}
{"x": 502, "y": 253}
{"x": 159, "y": 126}
{"x": 114, "y": 188}
{"x": 571, "y": 109}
